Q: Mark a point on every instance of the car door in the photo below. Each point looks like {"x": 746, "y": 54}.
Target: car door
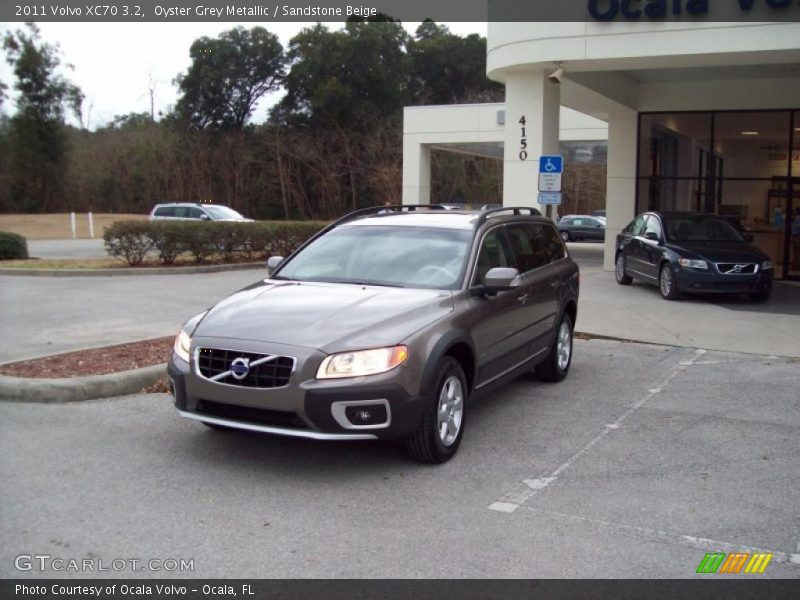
{"x": 632, "y": 248}
{"x": 652, "y": 247}
{"x": 595, "y": 230}
{"x": 497, "y": 328}
{"x": 538, "y": 285}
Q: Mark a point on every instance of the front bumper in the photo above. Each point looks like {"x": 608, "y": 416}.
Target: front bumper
{"x": 710, "y": 282}
{"x": 305, "y": 408}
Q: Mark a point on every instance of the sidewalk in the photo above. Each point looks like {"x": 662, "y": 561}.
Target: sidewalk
{"x": 637, "y": 312}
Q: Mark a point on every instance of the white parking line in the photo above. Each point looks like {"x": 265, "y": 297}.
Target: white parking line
{"x": 532, "y": 485}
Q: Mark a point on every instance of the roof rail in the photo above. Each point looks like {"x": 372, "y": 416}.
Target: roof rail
{"x": 387, "y": 209}
{"x": 517, "y": 210}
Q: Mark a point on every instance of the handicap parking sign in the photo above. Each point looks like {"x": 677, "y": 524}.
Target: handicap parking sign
{"x": 551, "y": 164}
{"x": 550, "y": 169}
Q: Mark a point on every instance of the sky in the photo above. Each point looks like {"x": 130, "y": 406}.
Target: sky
{"x": 114, "y": 63}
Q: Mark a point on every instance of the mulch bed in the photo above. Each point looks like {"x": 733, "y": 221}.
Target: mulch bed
{"x": 98, "y": 361}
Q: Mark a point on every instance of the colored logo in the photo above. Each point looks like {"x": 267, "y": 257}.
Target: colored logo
{"x": 240, "y": 367}
{"x": 735, "y": 562}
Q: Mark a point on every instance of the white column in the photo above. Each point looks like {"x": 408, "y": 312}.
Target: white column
{"x": 416, "y": 171}
{"x": 530, "y": 95}
{"x": 620, "y": 177}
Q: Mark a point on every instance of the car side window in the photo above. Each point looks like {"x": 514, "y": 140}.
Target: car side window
{"x": 653, "y": 226}
{"x": 552, "y": 246}
{"x": 165, "y": 211}
{"x": 492, "y": 254}
{"x": 526, "y": 244}
{"x": 182, "y": 212}
{"x": 195, "y": 213}
{"x": 636, "y": 226}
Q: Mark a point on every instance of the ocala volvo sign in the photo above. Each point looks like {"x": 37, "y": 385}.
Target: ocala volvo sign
{"x": 607, "y": 10}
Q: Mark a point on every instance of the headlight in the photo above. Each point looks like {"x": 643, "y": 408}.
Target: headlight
{"x": 693, "y": 263}
{"x": 362, "y": 362}
{"x": 767, "y": 264}
{"x": 182, "y": 343}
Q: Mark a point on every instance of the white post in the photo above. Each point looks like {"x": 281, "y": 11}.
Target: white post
{"x": 532, "y": 129}
{"x": 72, "y": 224}
{"x": 91, "y": 226}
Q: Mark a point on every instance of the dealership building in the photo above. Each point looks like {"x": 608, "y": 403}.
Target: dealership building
{"x": 697, "y": 116}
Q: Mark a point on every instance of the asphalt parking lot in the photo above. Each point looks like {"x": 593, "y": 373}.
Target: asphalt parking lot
{"x": 643, "y": 460}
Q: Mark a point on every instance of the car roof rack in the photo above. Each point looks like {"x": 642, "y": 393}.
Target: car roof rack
{"x": 389, "y": 209}
{"x": 516, "y": 210}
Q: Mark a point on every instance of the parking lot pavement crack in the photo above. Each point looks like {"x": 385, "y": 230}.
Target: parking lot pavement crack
{"x": 668, "y": 537}
{"x": 523, "y": 491}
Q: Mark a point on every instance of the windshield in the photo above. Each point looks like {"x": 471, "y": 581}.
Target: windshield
{"x": 419, "y": 257}
{"x": 222, "y": 212}
{"x": 700, "y": 228}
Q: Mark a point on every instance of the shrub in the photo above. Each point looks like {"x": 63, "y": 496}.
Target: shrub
{"x": 168, "y": 239}
{"x": 12, "y": 246}
{"x": 232, "y": 238}
{"x": 201, "y": 239}
{"x": 131, "y": 240}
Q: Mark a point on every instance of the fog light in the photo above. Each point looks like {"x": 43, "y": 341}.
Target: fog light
{"x": 373, "y": 414}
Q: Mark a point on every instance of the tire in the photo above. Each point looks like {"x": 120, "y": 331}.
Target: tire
{"x": 666, "y": 283}
{"x": 565, "y": 236}
{"x": 556, "y": 366}
{"x": 619, "y": 271}
{"x": 445, "y": 402}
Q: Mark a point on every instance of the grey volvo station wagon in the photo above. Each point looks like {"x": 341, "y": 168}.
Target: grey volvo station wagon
{"x": 383, "y": 326}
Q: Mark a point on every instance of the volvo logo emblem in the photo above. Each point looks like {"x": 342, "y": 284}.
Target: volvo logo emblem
{"x": 737, "y": 269}
{"x": 240, "y": 367}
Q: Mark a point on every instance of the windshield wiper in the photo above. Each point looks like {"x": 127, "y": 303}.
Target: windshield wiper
{"x": 375, "y": 283}
{"x": 281, "y": 278}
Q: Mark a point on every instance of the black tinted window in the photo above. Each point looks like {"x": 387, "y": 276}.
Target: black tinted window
{"x": 700, "y": 228}
{"x": 551, "y": 242}
{"x": 493, "y": 254}
{"x": 196, "y": 213}
{"x": 636, "y": 226}
{"x": 653, "y": 226}
{"x": 530, "y": 246}
{"x": 165, "y": 211}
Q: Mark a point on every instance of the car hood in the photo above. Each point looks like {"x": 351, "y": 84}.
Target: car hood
{"x": 326, "y": 316}
{"x": 734, "y": 252}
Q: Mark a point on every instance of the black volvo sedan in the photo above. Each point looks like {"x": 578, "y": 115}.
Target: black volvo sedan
{"x": 685, "y": 252}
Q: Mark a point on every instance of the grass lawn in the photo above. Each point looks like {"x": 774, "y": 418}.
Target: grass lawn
{"x": 57, "y": 226}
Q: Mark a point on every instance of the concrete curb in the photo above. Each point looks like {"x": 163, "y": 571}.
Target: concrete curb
{"x": 56, "y": 391}
{"x": 131, "y": 271}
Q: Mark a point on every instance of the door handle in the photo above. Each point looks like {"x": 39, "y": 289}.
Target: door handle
{"x": 523, "y": 298}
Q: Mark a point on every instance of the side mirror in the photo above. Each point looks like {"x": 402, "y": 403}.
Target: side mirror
{"x": 205, "y": 217}
{"x": 652, "y": 236}
{"x": 272, "y": 263}
{"x": 499, "y": 279}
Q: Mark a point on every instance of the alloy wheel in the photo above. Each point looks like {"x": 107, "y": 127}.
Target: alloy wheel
{"x": 450, "y": 411}
{"x": 564, "y": 345}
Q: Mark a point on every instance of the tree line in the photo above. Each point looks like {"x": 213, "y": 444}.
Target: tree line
{"x": 333, "y": 143}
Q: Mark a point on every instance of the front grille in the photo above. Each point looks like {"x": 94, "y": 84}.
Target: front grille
{"x": 273, "y": 372}
{"x": 262, "y": 416}
{"x": 737, "y": 268}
